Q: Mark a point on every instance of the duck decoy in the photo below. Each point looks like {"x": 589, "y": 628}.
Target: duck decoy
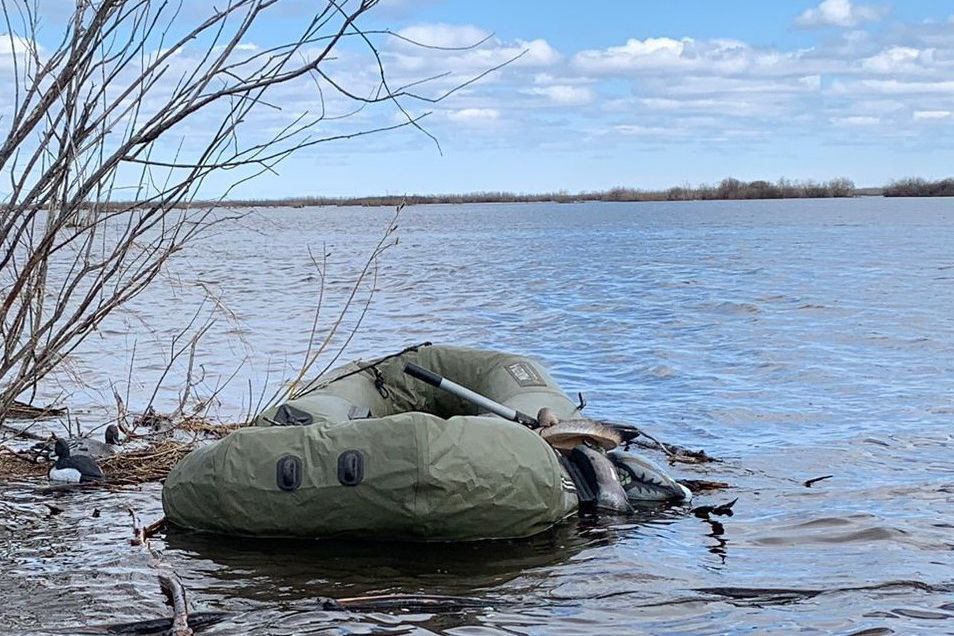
{"x": 95, "y": 448}
{"x": 73, "y": 468}
{"x": 84, "y": 446}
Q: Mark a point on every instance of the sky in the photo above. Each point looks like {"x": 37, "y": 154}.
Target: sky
{"x": 625, "y": 93}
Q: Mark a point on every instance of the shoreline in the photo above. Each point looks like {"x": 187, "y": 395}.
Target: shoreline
{"x": 727, "y": 190}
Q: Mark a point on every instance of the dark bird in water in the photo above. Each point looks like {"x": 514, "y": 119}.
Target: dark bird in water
{"x": 73, "y": 469}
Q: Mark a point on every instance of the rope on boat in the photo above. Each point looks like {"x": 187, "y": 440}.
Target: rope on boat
{"x": 315, "y": 385}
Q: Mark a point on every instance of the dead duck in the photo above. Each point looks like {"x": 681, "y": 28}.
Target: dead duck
{"x": 73, "y": 469}
{"x": 638, "y": 478}
{"x": 546, "y": 418}
{"x": 644, "y": 481}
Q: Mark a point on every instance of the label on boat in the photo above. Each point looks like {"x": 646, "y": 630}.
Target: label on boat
{"x": 525, "y": 374}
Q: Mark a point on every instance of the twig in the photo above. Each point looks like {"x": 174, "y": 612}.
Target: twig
{"x": 91, "y": 120}
{"x": 676, "y": 454}
{"x": 22, "y": 433}
{"x": 138, "y": 535}
{"x": 169, "y": 582}
{"x": 808, "y": 483}
{"x": 175, "y": 595}
{"x": 702, "y": 485}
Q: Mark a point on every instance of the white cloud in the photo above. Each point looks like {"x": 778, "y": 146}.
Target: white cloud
{"x": 407, "y": 56}
{"x": 444, "y": 35}
{"x": 900, "y": 59}
{"x": 656, "y": 56}
{"x": 10, "y": 43}
{"x": 539, "y": 52}
{"x": 896, "y": 87}
{"x": 564, "y": 94}
{"x": 648, "y": 131}
{"x": 811, "y": 82}
{"x": 652, "y": 53}
{"x": 840, "y": 13}
{"x": 474, "y": 115}
{"x": 725, "y": 107}
{"x": 856, "y": 120}
{"x": 22, "y": 48}
{"x": 717, "y": 85}
{"x": 932, "y": 115}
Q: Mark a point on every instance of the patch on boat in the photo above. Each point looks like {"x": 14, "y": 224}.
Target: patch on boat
{"x": 525, "y": 374}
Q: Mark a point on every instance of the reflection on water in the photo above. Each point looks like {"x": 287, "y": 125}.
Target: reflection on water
{"x": 344, "y": 569}
{"x": 794, "y": 339}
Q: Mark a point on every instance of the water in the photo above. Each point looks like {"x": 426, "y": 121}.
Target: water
{"x": 794, "y": 339}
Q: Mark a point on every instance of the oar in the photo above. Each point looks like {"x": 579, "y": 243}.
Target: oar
{"x": 627, "y": 433}
{"x": 483, "y": 402}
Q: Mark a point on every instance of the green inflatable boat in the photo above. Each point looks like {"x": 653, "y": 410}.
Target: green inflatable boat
{"x": 372, "y": 453}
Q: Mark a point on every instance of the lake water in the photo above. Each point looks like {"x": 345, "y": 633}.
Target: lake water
{"x": 793, "y": 339}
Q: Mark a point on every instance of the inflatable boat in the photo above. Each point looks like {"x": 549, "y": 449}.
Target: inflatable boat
{"x": 371, "y": 452}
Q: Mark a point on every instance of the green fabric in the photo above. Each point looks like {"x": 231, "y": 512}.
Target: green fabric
{"x": 433, "y": 468}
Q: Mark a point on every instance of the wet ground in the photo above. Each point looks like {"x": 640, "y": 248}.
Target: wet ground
{"x": 793, "y": 339}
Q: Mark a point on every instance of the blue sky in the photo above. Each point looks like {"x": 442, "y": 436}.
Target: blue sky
{"x": 813, "y": 114}
{"x": 635, "y": 93}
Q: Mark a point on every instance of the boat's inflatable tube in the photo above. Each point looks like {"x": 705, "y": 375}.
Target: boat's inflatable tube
{"x": 376, "y": 454}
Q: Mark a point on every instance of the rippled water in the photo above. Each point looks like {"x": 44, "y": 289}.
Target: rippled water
{"x": 794, "y": 339}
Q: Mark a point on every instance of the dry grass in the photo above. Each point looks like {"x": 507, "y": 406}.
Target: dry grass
{"x": 207, "y": 428}
{"x": 150, "y": 464}
{"x": 13, "y": 466}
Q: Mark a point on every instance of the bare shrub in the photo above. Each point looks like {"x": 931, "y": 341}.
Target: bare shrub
{"x": 115, "y": 131}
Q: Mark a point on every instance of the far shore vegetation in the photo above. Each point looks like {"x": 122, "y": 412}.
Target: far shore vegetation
{"x": 920, "y": 188}
{"x": 727, "y": 190}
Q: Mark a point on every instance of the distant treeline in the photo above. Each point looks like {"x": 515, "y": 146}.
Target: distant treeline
{"x": 728, "y": 189}
{"x": 920, "y": 188}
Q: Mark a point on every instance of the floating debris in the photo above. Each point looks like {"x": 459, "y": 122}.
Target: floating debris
{"x": 722, "y": 510}
{"x": 23, "y": 411}
{"x": 808, "y": 483}
{"x": 702, "y": 485}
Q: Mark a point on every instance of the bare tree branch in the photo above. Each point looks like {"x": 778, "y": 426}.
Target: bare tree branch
{"x": 120, "y": 124}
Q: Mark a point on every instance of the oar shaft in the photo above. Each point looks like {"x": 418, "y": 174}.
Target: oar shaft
{"x": 480, "y": 401}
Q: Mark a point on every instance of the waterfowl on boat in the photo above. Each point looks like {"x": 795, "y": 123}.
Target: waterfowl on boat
{"x": 569, "y": 434}
{"x": 644, "y": 481}
{"x": 370, "y": 452}
{"x": 73, "y": 469}
{"x": 597, "y": 480}
{"x": 547, "y": 418}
